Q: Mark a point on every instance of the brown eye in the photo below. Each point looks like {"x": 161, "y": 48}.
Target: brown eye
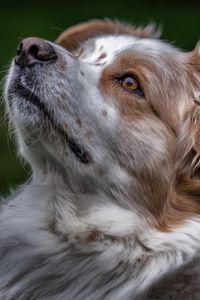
{"x": 129, "y": 83}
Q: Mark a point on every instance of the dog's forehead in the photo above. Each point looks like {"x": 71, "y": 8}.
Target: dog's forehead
{"x": 104, "y": 49}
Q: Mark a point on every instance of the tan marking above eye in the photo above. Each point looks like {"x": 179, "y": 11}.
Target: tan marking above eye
{"x": 129, "y": 83}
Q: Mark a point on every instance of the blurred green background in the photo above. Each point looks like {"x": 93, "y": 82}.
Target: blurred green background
{"x": 180, "y": 21}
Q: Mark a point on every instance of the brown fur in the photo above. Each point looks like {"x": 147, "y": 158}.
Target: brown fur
{"x": 174, "y": 199}
{"x": 73, "y": 37}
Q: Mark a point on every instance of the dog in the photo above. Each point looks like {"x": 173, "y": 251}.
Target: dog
{"x": 108, "y": 117}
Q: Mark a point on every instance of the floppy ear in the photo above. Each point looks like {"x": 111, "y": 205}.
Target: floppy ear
{"x": 73, "y": 37}
{"x": 188, "y": 145}
{"x": 188, "y": 152}
{"x": 187, "y": 169}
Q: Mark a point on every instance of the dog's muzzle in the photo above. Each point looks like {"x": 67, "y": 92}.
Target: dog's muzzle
{"x": 31, "y": 52}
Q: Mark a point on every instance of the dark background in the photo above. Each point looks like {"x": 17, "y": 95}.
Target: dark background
{"x": 180, "y": 21}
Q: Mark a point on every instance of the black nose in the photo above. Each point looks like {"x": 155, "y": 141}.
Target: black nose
{"x": 34, "y": 50}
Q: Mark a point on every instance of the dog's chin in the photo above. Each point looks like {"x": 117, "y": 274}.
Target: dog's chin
{"x": 36, "y": 121}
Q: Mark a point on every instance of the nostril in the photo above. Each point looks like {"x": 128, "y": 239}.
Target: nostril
{"x": 33, "y": 51}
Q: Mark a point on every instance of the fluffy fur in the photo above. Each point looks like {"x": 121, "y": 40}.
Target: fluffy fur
{"x": 112, "y": 209}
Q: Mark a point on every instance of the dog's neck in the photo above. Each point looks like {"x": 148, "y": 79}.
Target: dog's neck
{"x": 95, "y": 220}
{"x": 93, "y": 235}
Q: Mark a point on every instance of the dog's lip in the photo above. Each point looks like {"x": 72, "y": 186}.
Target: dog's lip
{"x": 78, "y": 150}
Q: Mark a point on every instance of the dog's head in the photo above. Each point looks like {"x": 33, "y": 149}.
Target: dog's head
{"x": 112, "y": 108}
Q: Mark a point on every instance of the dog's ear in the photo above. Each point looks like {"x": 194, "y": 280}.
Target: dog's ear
{"x": 188, "y": 152}
{"x": 194, "y": 58}
{"x": 188, "y": 144}
{"x": 188, "y": 141}
{"x": 73, "y": 37}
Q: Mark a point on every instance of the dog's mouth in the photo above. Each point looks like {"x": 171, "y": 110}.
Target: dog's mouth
{"x": 78, "y": 150}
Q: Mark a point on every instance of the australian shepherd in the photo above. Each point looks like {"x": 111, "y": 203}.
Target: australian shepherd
{"x": 108, "y": 117}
